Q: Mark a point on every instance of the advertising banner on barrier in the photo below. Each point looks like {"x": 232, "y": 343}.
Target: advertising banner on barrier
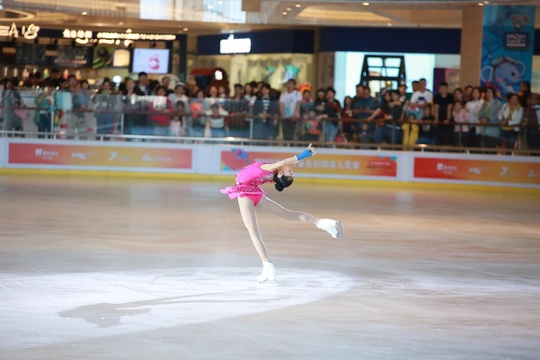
{"x": 477, "y": 170}
{"x": 322, "y": 164}
{"x": 98, "y": 156}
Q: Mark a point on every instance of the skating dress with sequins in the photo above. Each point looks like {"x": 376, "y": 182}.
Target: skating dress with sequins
{"x": 248, "y": 181}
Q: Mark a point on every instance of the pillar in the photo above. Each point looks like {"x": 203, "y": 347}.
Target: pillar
{"x": 471, "y": 45}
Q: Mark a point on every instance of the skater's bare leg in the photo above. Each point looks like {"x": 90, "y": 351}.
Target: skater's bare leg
{"x": 276, "y": 209}
{"x": 247, "y": 210}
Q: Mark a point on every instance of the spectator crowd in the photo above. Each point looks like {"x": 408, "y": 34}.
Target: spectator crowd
{"x": 469, "y": 117}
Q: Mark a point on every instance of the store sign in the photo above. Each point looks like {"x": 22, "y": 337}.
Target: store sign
{"x": 80, "y": 36}
{"x": 235, "y": 46}
{"x": 29, "y": 32}
{"x": 86, "y": 36}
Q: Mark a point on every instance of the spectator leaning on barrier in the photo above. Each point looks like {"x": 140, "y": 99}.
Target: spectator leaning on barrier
{"x": 332, "y": 110}
{"x": 134, "y": 120}
{"x": 348, "y": 124}
{"x": 215, "y": 121}
{"x": 45, "y": 107}
{"x": 265, "y": 109}
{"x": 11, "y": 100}
{"x": 179, "y": 94}
{"x": 289, "y": 109}
{"x": 489, "y": 116}
{"x": 105, "y": 102}
{"x": 461, "y": 132}
{"x": 161, "y": 109}
{"x": 392, "y": 109}
{"x": 366, "y": 108}
{"x": 444, "y": 104}
{"x": 197, "y": 120}
{"x": 510, "y": 117}
{"x": 473, "y": 108}
{"x": 530, "y": 123}
{"x": 428, "y": 132}
{"x": 238, "y": 108}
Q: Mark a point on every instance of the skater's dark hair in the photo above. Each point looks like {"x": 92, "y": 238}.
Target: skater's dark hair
{"x": 282, "y": 182}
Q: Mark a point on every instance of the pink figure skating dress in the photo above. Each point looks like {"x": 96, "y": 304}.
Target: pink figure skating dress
{"x": 248, "y": 183}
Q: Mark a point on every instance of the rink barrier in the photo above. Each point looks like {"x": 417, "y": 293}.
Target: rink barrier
{"x": 219, "y": 162}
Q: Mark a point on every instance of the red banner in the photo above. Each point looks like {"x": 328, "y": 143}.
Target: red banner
{"x": 332, "y": 164}
{"x": 477, "y": 170}
{"x": 99, "y": 156}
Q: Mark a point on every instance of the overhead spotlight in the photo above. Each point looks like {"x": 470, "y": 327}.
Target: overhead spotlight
{"x": 480, "y": 4}
{"x": 288, "y": 9}
{"x": 210, "y": 7}
{"x": 185, "y": 29}
{"x": 284, "y": 13}
{"x": 389, "y": 24}
{"x": 365, "y": 3}
{"x": 486, "y": 2}
{"x": 298, "y": 5}
{"x": 121, "y": 23}
{"x": 84, "y": 13}
{"x": 220, "y": 2}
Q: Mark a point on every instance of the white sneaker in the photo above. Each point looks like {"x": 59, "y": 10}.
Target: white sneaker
{"x": 333, "y": 227}
{"x": 268, "y": 274}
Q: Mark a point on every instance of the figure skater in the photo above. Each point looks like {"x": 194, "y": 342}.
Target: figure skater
{"x": 251, "y": 196}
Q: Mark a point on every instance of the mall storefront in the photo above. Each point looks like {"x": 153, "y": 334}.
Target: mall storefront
{"x": 89, "y": 54}
{"x": 271, "y": 56}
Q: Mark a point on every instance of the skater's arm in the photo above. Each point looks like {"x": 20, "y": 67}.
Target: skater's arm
{"x": 310, "y": 151}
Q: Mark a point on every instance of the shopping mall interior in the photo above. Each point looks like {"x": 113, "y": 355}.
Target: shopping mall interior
{"x": 381, "y": 160}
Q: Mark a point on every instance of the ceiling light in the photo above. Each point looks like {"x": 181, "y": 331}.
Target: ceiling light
{"x": 486, "y": 2}
{"x": 185, "y": 29}
{"x": 210, "y": 7}
{"x": 84, "y": 13}
{"x": 288, "y": 9}
{"x": 480, "y": 4}
{"x": 284, "y": 13}
{"x": 120, "y": 23}
{"x": 220, "y": 2}
{"x": 365, "y": 3}
{"x": 389, "y": 24}
{"x": 298, "y": 5}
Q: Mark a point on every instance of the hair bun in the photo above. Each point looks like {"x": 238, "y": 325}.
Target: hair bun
{"x": 279, "y": 187}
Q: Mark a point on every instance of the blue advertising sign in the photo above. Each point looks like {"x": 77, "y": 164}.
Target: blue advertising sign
{"x": 507, "y": 47}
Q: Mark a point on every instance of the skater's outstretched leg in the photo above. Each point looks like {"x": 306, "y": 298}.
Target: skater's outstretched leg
{"x": 278, "y": 210}
{"x": 333, "y": 227}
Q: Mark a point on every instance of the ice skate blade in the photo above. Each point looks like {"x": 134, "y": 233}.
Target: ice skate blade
{"x": 340, "y": 230}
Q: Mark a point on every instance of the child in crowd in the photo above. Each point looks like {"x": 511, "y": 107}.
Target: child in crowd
{"x": 410, "y": 129}
{"x": 461, "y": 132}
{"x": 427, "y": 133}
{"x": 312, "y": 125}
{"x": 177, "y": 126}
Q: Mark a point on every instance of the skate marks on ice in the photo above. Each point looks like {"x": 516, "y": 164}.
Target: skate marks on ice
{"x": 76, "y": 306}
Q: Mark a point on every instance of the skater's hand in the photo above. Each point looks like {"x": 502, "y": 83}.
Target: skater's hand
{"x": 311, "y": 148}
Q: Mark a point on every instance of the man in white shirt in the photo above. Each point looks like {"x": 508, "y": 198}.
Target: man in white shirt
{"x": 289, "y": 105}
{"x": 421, "y": 98}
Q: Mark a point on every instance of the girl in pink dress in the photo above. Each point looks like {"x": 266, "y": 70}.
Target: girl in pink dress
{"x": 250, "y": 196}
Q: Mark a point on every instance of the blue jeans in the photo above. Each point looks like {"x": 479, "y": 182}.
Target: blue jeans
{"x": 389, "y": 134}
{"x": 330, "y": 132}
{"x": 44, "y": 124}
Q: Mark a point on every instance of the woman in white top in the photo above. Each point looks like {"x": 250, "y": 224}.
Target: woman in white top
{"x": 179, "y": 94}
{"x": 473, "y": 108}
{"x": 510, "y": 117}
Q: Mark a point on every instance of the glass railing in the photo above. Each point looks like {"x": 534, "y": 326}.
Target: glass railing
{"x": 89, "y": 116}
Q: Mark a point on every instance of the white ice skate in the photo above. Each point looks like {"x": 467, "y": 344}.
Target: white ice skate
{"x": 268, "y": 274}
{"x": 333, "y": 227}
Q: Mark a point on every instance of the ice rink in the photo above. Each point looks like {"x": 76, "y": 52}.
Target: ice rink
{"x": 112, "y": 268}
